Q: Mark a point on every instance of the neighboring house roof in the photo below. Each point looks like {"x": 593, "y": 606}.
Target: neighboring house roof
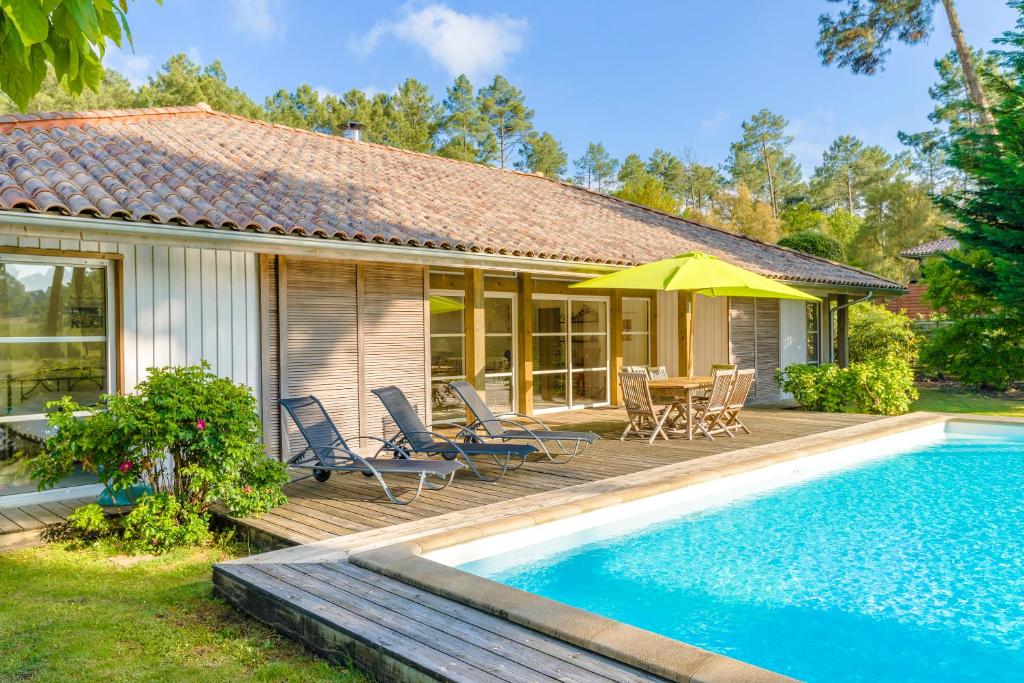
{"x": 193, "y": 166}
{"x": 940, "y": 246}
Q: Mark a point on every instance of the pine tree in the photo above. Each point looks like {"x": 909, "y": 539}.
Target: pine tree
{"x": 413, "y": 117}
{"x": 761, "y": 160}
{"x": 596, "y": 168}
{"x": 504, "y": 107}
{"x": 542, "y": 153}
{"x": 464, "y": 128}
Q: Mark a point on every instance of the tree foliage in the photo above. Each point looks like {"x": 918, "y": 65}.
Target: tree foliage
{"x": 504, "y": 107}
{"x": 68, "y": 37}
{"x": 596, "y": 168}
{"x": 543, "y": 154}
{"x": 761, "y": 160}
{"x": 877, "y": 332}
{"x": 816, "y": 243}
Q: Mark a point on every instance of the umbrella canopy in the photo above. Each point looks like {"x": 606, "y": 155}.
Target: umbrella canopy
{"x": 444, "y": 304}
{"x": 700, "y": 273}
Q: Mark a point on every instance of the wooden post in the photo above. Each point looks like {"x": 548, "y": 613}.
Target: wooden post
{"x": 615, "y": 310}
{"x": 687, "y": 302}
{"x": 652, "y": 331}
{"x": 842, "y": 331}
{"x": 524, "y": 378}
{"x": 474, "y": 322}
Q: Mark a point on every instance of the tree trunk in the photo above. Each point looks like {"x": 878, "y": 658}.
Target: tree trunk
{"x": 963, "y": 51}
{"x": 849, "y": 191}
{"x": 771, "y": 180}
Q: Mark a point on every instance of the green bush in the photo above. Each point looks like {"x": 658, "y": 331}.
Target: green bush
{"x": 983, "y": 352}
{"x": 816, "y": 243}
{"x": 877, "y": 387}
{"x": 191, "y": 436}
{"x": 876, "y": 332}
{"x": 90, "y": 521}
{"x": 160, "y": 522}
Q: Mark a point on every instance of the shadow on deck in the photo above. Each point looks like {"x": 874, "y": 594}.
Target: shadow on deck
{"x": 352, "y": 504}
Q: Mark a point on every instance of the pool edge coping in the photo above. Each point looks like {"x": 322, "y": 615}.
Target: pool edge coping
{"x": 630, "y": 645}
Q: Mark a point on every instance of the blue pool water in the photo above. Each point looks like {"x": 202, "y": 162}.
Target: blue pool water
{"x": 909, "y": 568}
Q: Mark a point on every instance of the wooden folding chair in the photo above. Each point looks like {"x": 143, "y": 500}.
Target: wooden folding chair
{"x": 642, "y": 416}
{"x": 737, "y": 399}
{"x": 708, "y": 415}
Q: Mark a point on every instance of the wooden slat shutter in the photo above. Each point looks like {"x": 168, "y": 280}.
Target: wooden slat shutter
{"x": 394, "y": 323}
{"x": 742, "y": 340}
{"x": 767, "y": 336}
{"x": 754, "y": 340}
{"x": 322, "y": 352}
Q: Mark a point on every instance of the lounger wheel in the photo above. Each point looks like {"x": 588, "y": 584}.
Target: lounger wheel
{"x": 321, "y": 475}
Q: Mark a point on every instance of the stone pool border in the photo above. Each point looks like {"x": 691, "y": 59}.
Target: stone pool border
{"x": 636, "y": 647}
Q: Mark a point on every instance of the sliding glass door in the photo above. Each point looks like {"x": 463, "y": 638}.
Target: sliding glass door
{"x": 570, "y": 352}
{"x": 56, "y": 339}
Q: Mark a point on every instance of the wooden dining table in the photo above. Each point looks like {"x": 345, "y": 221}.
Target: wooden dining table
{"x": 679, "y": 391}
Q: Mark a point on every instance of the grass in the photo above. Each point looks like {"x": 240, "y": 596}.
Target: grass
{"x": 71, "y": 615}
{"x": 941, "y": 401}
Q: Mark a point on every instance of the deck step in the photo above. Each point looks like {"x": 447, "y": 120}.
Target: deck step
{"x": 398, "y": 632}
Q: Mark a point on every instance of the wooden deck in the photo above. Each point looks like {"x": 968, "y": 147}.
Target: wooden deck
{"x": 26, "y": 525}
{"x": 351, "y": 504}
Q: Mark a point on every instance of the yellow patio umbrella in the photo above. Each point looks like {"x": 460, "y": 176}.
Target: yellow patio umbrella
{"x": 444, "y": 304}
{"x": 696, "y": 273}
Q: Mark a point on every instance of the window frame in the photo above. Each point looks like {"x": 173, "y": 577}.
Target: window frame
{"x": 112, "y": 337}
{"x": 645, "y": 333}
{"x": 570, "y": 369}
{"x": 816, "y": 333}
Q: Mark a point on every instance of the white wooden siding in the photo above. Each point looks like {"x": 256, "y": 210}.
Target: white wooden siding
{"x": 710, "y": 333}
{"x": 180, "y": 305}
{"x": 793, "y": 333}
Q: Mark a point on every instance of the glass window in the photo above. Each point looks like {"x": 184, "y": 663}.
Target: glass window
{"x": 447, "y": 354}
{"x": 499, "y": 353}
{"x": 569, "y": 358}
{"x": 813, "y": 333}
{"x": 54, "y": 318}
{"x": 636, "y": 331}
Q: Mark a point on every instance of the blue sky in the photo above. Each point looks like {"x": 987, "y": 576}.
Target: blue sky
{"x": 673, "y": 74}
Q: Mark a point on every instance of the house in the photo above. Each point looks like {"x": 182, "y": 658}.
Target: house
{"x": 913, "y": 302}
{"x": 299, "y": 263}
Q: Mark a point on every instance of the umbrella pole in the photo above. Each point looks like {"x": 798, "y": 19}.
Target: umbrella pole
{"x": 687, "y": 304}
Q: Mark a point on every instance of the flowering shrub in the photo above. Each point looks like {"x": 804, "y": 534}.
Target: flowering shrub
{"x": 878, "y": 387}
{"x": 191, "y": 436}
{"x": 160, "y": 522}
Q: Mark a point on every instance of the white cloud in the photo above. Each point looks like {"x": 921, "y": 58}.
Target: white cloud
{"x": 259, "y": 18}
{"x": 714, "y": 122}
{"x": 472, "y": 44}
{"x": 135, "y": 67}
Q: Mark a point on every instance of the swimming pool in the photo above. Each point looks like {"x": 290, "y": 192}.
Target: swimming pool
{"x": 885, "y": 563}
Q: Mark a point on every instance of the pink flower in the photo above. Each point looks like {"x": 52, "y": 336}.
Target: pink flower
{"x": 200, "y": 425}
{"x": 247, "y": 489}
{"x": 125, "y": 466}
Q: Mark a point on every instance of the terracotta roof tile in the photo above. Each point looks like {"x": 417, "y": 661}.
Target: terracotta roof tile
{"x": 192, "y": 166}
{"x": 939, "y": 246}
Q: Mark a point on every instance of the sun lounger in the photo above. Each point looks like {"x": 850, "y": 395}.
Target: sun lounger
{"x": 488, "y": 426}
{"x": 326, "y": 452}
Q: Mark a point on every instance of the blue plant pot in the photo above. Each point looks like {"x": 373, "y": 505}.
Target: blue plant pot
{"x": 128, "y": 496}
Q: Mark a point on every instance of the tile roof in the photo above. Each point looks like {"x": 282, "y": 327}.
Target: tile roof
{"x": 939, "y": 246}
{"x": 193, "y": 166}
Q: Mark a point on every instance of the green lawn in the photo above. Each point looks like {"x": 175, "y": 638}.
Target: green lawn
{"x": 941, "y": 401}
{"x": 71, "y": 615}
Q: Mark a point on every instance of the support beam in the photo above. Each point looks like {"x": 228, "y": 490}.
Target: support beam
{"x": 842, "y": 331}
{"x": 474, "y": 322}
{"x": 615, "y": 310}
{"x": 524, "y": 378}
{"x": 687, "y": 302}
